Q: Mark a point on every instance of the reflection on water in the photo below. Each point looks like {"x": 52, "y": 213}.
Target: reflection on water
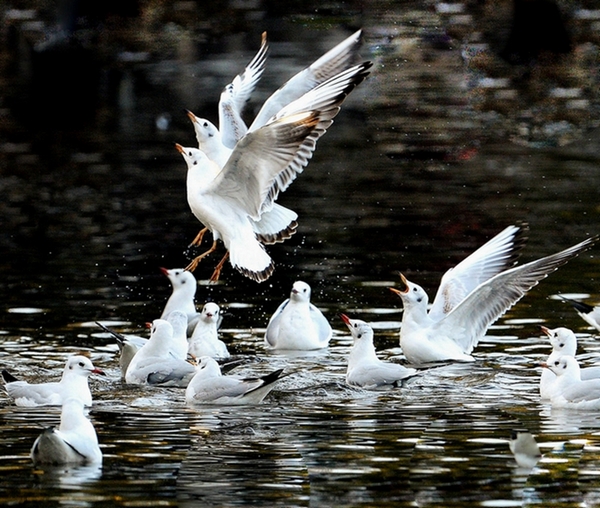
{"x": 442, "y": 147}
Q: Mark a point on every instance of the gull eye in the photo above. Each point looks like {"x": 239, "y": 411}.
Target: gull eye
{"x": 556, "y": 363}
{"x": 205, "y": 124}
{"x": 190, "y": 154}
{"x": 81, "y": 364}
{"x": 562, "y": 344}
{"x": 359, "y": 335}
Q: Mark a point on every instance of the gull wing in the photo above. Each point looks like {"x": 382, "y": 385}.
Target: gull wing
{"x": 236, "y": 94}
{"x": 323, "y": 325}
{"x": 342, "y": 56}
{"x": 468, "y": 321}
{"x": 274, "y": 323}
{"x": 498, "y": 254}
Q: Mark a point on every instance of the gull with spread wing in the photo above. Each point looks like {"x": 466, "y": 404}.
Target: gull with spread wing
{"x": 236, "y": 203}
{"x": 471, "y": 297}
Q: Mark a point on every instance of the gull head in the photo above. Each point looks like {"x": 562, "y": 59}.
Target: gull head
{"x": 162, "y": 329}
{"x": 562, "y": 339}
{"x": 208, "y": 366}
{"x": 82, "y": 366}
{"x": 191, "y": 156}
{"x": 412, "y": 294}
{"x": 210, "y": 312}
{"x": 358, "y": 329}
{"x": 300, "y": 292}
{"x": 204, "y": 129}
{"x": 564, "y": 366}
{"x": 180, "y": 277}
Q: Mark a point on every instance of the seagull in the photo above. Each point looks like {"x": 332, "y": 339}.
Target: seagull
{"x": 591, "y": 315}
{"x": 364, "y": 368}
{"x": 205, "y": 339}
{"x": 570, "y": 391}
{"x": 182, "y": 298}
{"x": 154, "y": 364}
{"x": 209, "y": 386}
{"x": 525, "y": 449}
{"x": 129, "y": 345}
{"x": 297, "y": 324}
{"x": 73, "y": 384}
{"x": 218, "y": 144}
{"x": 264, "y": 163}
{"x": 564, "y": 343}
{"x": 74, "y": 442}
{"x": 472, "y": 295}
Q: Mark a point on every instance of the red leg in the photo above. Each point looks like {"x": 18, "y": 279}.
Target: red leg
{"x": 198, "y": 240}
{"x": 217, "y": 273}
{"x": 192, "y": 266}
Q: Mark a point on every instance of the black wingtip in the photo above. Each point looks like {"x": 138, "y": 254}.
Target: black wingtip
{"x": 584, "y": 308}
{"x": 8, "y": 377}
{"x": 272, "y": 377}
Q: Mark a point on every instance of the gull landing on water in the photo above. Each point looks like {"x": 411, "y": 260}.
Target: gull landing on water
{"x": 237, "y": 203}
{"x": 471, "y": 297}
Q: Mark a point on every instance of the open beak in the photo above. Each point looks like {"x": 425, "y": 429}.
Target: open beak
{"x": 545, "y": 330}
{"x": 164, "y": 271}
{"x": 401, "y": 292}
{"x": 191, "y": 116}
{"x": 179, "y": 148}
{"x": 345, "y": 319}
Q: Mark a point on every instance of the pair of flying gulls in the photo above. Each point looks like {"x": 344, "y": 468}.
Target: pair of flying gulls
{"x": 237, "y": 172}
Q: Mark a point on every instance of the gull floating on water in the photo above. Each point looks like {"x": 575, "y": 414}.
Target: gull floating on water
{"x": 74, "y": 442}
{"x": 129, "y": 345}
{"x": 471, "y": 297}
{"x": 231, "y": 202}
{"x": 364, "y": 368}
{"x": 218, "y": 144}
{"x": 73, "y": 384}
{"x": 154, "y": 364}
{"x": 209, "y": 386}
{"x": 570, "y": 391}
{"x": 591, "y": 315}
{"x": 297, "y": 324}
{"x": 205, "y": 339}
{"x": 564, "y": 343}
{"x": 182, "y": 297}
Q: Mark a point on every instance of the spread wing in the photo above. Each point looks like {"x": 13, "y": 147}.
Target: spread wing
{"x": 498, "y": 254}
{"x": 491, "y": 299}
{"x": 236, "y": 94}
{"x": 267, "y": 160}
{"x": 336, "y": 60}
